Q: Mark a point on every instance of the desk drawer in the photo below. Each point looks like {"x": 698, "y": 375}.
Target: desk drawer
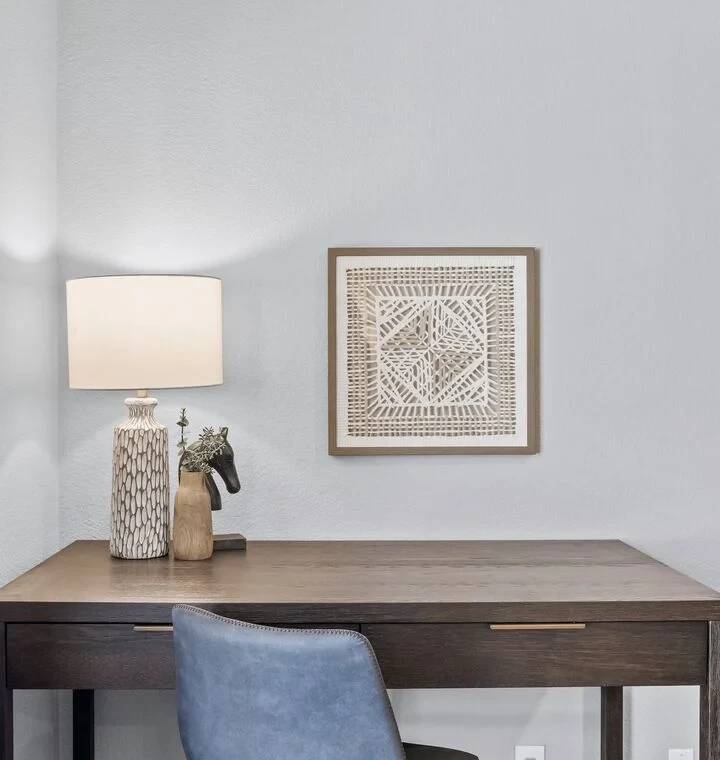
{"x": 114, "y": 656}
{"x": 466, "y": 655}
{"x": 57, "y": 656}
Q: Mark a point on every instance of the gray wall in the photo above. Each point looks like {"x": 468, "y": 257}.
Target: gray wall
{"x": 243, "y": 138}
{"x": 28, "y": 315}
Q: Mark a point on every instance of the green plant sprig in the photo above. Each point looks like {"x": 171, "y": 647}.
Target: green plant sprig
{"x": 197, "y": 456}
{"x": 183, "y": 423}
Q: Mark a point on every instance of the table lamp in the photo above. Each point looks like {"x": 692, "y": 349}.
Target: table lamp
{"x": 141, "y": 332}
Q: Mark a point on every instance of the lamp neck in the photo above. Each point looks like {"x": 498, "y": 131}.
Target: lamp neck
{"x": 141, "y": 413}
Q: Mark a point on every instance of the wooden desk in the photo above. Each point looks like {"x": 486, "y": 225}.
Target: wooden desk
{"x": 439, "y": 614}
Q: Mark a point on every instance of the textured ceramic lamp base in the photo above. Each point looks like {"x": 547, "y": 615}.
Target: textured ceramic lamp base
{"x": 140, "y": 506}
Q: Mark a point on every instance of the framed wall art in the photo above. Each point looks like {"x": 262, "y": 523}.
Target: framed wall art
{"x": 433, "y": 351}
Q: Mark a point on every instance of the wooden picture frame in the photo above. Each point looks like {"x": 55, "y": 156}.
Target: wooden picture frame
{"x": 433, "y": 351}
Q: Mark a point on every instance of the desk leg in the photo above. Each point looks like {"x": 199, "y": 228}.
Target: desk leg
{"x": 611, "y": 716}
{"x": 6, "y": 705}
{"x": 83, "y": 724}
{"x": 6, "y": 724}
{"x": 710, "y": 698}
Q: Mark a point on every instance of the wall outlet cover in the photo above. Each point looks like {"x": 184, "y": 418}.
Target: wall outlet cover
{"x": 537, "y": 752}
{"x": 680, "y": 754}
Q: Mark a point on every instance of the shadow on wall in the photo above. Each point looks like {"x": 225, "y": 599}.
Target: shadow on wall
{"x": 29, "y": 454}
{"x": 273, "y": 401}
{"x": 28, "y": 444}
{"x": 460, "y": 717}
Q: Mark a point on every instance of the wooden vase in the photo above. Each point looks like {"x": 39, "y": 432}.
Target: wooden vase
{"x": 192, "y": 527}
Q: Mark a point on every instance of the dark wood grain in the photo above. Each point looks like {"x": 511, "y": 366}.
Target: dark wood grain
{"x": 88, "y": 657}
{"x": 443, "y": 581}
{"x": 468, "y": 655}
{"x": 611, "y": 723}
{"x": 427, "y": 606}
{"x": 710, "y": 698}
{"x": 84, "y": 724}
{"x": 83, "y": 657}
{"x": 6, "y": 704}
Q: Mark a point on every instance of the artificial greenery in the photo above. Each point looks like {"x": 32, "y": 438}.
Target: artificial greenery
{"x": 183, "y": 423}
{"x": 197, "y": 456}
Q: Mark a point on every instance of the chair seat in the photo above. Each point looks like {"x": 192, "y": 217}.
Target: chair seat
{"x": 423, "y": 752}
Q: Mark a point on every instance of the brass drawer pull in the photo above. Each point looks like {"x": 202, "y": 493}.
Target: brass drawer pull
{"x": 537, "y": 626}
{"x": 152, "y": 628}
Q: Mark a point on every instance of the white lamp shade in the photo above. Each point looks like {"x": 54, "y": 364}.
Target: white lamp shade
{"x": 144, "y": 332}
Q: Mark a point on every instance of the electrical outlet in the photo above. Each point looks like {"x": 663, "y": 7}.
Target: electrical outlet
{"x": 680, "y": 754}
{"x": 538, "y": 753}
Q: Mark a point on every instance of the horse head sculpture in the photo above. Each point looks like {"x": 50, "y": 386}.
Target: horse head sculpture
{"x": 224, "y": 464}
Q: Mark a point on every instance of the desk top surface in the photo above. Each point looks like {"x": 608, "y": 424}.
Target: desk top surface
{"x": 336, "y": 581}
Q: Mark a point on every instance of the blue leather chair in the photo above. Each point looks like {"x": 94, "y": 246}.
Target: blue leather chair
{"x": 248, "y": 692}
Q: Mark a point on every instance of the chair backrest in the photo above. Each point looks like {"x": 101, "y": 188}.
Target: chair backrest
{"x": 248, "y": 692}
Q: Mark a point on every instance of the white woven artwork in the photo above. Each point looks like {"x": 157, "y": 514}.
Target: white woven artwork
{"x": 431, "y": 351}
